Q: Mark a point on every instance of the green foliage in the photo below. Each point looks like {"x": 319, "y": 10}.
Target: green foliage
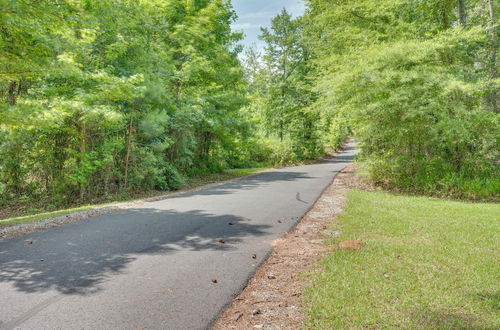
{"x": 282, "y": 95}
{"x": 337, "y": 130}
{"x": 417, "y": 88}
{"x": 103, "y": 97}
{"x": 99, "y": 98}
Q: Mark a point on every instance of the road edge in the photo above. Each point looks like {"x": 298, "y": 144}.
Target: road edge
{"x": 21, "y": 229}
{"x": 219, "y": 322}
{"x": 16, "y": 230}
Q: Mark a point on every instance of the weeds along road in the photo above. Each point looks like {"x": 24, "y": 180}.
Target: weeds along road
{"x": 172, "y": 264}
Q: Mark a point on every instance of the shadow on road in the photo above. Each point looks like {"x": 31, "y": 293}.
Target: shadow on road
{"x": 88, "y": 256}
{"x": 250, "y": 183}
{"x": 348, "y": 155}
{"x": 76, "y": 258}
{"x": 274, "y": 176}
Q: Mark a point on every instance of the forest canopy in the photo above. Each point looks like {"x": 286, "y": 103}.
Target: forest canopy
{"x": 99, "y": 98}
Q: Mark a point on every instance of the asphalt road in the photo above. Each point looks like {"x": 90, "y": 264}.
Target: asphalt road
{"x": 151, "y": 267}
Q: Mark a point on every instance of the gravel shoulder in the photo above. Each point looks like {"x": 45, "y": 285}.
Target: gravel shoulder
{"x": 273, "y": 297}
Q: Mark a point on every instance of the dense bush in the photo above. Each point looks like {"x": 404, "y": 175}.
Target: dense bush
{"x": 103, "y": 98}
{"x": 417, "y": 82}
{"x": 115, "y": 96}
{"x": 99, "y": 98}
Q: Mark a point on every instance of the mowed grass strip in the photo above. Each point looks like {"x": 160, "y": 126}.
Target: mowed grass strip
{"x": 428, "y": 263}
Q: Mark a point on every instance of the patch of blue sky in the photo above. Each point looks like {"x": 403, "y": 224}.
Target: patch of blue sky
{"x": 254, "y": 14}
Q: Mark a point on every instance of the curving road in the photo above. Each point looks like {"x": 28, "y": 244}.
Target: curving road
{"x": 154, "y": 266}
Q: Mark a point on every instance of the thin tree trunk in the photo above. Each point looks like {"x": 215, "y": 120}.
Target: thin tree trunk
{"x": 129, "y": 144}
{"x": 207, "y": 141}
{"x": 281, "y": 133}
{"x": 492, "y": 11}
{"x": 462, "y": 12}
{"x": 493, "y": 36}
{"x": 12, "y": 97}
{"x": 281, "y": 130}
{"x": 15, "y": 171}
{"x": 493, "y": 65}
{"x": 445, "y": 19}
{"x": 83, "y": 150}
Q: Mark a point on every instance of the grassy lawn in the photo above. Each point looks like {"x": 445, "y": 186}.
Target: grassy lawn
{"x": 428, "y": 263}
{"x": 190, "y": 184}
{"x": 45, "y": 215}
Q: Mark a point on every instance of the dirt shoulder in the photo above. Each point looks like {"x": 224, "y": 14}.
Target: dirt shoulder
{"x": 273, "y": 297}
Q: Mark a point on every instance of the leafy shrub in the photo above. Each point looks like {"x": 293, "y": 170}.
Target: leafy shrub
{"x": 421, "y": 124}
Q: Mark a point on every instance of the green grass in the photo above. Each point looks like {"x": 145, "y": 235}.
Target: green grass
{"x": 191, "y": 183}
{"x": 428, "y": 263}
{"x": 45, "y": 215}
{"x": 238, "y": 172}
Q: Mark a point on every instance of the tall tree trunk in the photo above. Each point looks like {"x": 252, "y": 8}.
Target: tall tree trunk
{"x": 14, "y": 170}
{"x": 493, "y": 36}
{"x": 462, "y": 12}
{"x": 493, "y": 65}
{"x": 83, "y": 150}
{"x": 281, "y": 128}
{"x": 283, "y": 80}
{"x": 207, "y": 144}
{"x": 445, "y": 17}
{"x": 129, "y": 144}
{"x": 492, "y": 11}
{"x": 12, "y": 96}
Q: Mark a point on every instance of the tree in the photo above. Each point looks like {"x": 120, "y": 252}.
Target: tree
{"x": 122, "y": 96}
{"x": 411, "y": 78}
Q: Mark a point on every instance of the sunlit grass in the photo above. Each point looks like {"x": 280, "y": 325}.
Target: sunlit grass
{"x": 429, "y": 263}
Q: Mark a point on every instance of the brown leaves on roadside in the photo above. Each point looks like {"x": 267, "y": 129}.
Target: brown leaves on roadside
{"x": 351, "y": 245}
{"x": 256, "y": 312}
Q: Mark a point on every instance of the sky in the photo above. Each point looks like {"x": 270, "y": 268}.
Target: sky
{"x": 253, "y": 14}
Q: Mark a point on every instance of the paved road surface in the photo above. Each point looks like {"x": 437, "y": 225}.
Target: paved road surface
{"x": 151, "y": 267}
